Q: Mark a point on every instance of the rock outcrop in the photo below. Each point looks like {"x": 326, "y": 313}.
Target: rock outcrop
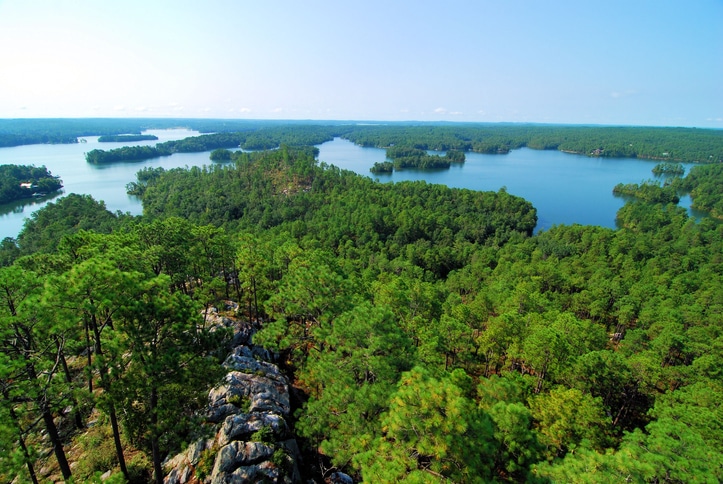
{"x": 249, "y": 438}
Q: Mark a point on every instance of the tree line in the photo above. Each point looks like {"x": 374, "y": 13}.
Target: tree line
{"x": 702, "y": 183}
{"x": 123, "y": 138}
{"x": 406, "y": 157}
{"x": 670, "y": 145}
{"x": 16, "y": 132}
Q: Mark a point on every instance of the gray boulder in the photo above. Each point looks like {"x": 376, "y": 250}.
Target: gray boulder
{"x": 243, "y": 425}
{"x": 239, "y": 454}
{"x": 253, "y": 396}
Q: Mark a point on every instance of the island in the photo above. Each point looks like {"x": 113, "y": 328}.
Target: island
{"x": 668, "y": 169}
{"x": 411, "y": 157}
{"x": 193, "y": 144}
{"x": 22, "y": 181}
{"x": 124, "y": 138}
{"x": 220, "y": 155}
{"x": 126, "y": 153}
{"x": 648, "y": 191}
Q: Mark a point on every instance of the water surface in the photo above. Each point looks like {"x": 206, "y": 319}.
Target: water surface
{"x": 102, "y": 182}
{"x": 564, "y": 188}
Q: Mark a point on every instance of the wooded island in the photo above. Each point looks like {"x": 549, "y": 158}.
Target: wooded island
{"x": 668, "y": 144}
{"x": 125, "y": 138}
{"x": 19, "y": 182}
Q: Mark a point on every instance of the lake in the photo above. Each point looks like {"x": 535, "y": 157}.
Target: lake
{"x": 564, "y": 188}
{"x": 102, "y": 182}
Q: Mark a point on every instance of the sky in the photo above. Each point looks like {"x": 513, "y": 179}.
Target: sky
{"x": 611, "y": 62}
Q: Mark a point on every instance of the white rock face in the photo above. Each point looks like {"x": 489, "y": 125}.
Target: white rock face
{"x": 248, "y": 409}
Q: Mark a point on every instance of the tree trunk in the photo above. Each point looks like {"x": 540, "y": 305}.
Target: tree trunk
{"x": 21, "y": 441}
{"x": 69, "y": 379}
{"x": 117, "y": 441}
{"x": 540, "y": 380}
{"x": 50, "y": 426}
{"x": 90, "y": 358}
{"x": 157, "y": 468}
{"x": 55, "y": 440}
{"x": 256, "y": 301}
{"x": 105, "y": 384}
{"x": 28, "y": 461}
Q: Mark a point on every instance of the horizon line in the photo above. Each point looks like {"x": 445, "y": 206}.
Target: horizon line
{"x": 355, "y": 121}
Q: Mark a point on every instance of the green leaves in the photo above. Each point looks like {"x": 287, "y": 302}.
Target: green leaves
{"x": 431, "y": 432}
{"x": 682, "y": 445}
{"x": 567, "y": 418}
{"x": 363, "y": 352}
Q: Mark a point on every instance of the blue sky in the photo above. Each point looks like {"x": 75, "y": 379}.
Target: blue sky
{"x": 632, "y": 62}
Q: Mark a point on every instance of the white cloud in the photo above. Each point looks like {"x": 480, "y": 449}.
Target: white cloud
{"x": 619, "y": 94}
{"x": 440, "y": 111}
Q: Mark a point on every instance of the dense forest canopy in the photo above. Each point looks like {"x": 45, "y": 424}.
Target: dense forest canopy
{"x": 125, "y": 138}
{"x": 431, "y": 337}
{"x": 669, "y": 144}
{"x": 407, "y": 157}
{"x": 704, "y": 183}
{"x": 19, "y": 181}
{"x": 16, "y": 132}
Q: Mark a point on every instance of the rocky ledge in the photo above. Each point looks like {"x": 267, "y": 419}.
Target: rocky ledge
{"x": 249, "y": 439}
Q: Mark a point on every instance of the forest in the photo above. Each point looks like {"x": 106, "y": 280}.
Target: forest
{"x": 124, "y": 138}
{"x": 429, "y": 335}
{"x": 670, "y": 145}
{"x": 667, "y": 144}
{"x": 19, "y": 181}
{"x": 406, "y": 157}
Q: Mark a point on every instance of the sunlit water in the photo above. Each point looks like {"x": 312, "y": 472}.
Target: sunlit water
{"x": 564, "y": 188}
{"x": 102, "y": 182}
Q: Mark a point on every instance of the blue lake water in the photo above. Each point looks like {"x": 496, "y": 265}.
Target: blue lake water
{"x": 564, "y": 188}
{"x": 102, "y": 182}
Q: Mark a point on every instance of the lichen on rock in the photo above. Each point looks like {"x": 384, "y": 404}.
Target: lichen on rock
{"x": 251, "y": 402}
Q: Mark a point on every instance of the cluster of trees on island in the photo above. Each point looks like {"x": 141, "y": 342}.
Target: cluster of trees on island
{"x": 261, "y": 139}
{"x": 702, "y": 183}
{"x": 668, "y": 144}
{"x": 126, "y": 138}
{"x": 432, "y": 336}
{"x": 17, "y": 132}
{"x": 18, "y": 182}
{"x": 671, "y": 145}
{"x": 406, "y": 157}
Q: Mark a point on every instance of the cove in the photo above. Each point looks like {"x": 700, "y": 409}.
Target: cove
{"x": 102, "y": 182}
{"x": 564, "y": 188}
